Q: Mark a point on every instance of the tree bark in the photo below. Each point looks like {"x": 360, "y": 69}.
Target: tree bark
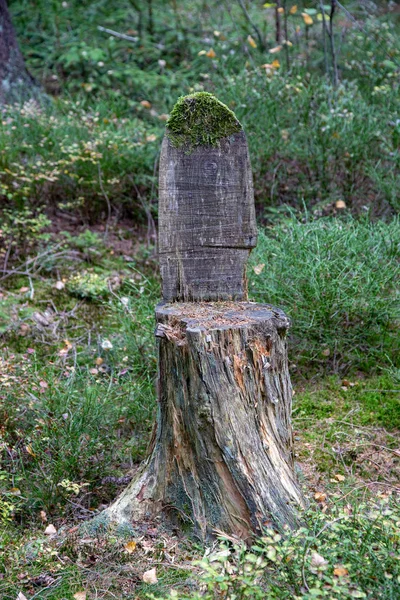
{"x": 221, "y": 457}
{"x": 16, "y": 83}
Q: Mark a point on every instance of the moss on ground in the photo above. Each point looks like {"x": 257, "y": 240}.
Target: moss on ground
{"x": 200, "y": 119}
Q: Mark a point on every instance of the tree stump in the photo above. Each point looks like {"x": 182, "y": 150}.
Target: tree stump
{"x": 221, "y": 457}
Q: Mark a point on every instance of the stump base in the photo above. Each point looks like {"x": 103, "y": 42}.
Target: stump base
{"x": 222, "y": 450}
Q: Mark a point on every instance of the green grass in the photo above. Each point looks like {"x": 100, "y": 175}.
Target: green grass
{"x": 336, "y": 279}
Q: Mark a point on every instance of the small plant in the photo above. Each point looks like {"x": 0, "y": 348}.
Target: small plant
{"x": 348, "y": 552}
{"x": 88, "y": 285}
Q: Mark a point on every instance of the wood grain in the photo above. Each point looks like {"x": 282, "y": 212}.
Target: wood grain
{"x": 207, "y": 221}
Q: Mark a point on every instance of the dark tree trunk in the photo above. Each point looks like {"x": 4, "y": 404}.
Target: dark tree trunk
{"x": 16, "y": 83}
{"x": 222, "y": 454}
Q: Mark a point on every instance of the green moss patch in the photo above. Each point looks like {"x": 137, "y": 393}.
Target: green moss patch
{"x": 200, "y": 120}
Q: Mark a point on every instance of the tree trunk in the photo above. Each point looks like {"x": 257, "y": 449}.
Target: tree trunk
{"x": 16, "y": 83}
{"x": 222, "y": 454}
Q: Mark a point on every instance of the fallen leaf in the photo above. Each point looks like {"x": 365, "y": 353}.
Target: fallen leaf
{"x": 80, "y": 595}
{"x": 275, "y": 50}
{"x": 211, "y": 53}
{"x": 293, "y": 10}
{"x": 317, "y": 560}
{"x": 146, "y": 104}
{"x": 346, "y": 382}
{"x": 29, "y": 450}
{"x": 258, "y": 268}
{"x": 275, "y": 64}
{"x": 106, "y": 345}
{"x": 251, "y": 41}
{"x": 150, "y": 576}
{"x": 130, "y": 546}
{"x": 340, "y": 204}
{"x": 21, "y": 596}
{"x": 326, "y": 352}
{"x": 59, "y": 285}
{"x": 281, "y": 10}
{"x": 151, "y": 138}
{"x": 15, "y": 491}
{"x": 23, "y": 290}
{"x": 99, "y": 361}
{"x": 50, "y": 530}
{"x": 339, "y": 477}
{"x": 320, "y": 496}
{"x": 340, "y": 571}
{"x": 43, "y": 516}
{"x": 43, "y": 384}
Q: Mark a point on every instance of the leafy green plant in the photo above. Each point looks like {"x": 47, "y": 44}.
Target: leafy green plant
{"x": 347, "y": 552}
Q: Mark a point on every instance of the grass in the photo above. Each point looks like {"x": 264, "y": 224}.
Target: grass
{"x": 77, "y": 401}
{"x": 336, "y": 280}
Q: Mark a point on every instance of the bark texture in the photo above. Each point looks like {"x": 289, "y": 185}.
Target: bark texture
{"x": 16, "y": 83}
{"x": 222, "y": 452}
{"x": 207, "y": 221}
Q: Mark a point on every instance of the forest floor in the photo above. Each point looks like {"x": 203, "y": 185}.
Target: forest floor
{"x": 77, "y": 372}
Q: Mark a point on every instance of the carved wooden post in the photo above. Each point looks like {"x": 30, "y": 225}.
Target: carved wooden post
{"x": 222, "y": 453}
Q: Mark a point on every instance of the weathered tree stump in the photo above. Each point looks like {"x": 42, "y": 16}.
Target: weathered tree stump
{"x": 221, "y": 456}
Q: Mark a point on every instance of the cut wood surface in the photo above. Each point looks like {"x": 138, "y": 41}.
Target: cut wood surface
{"x": 206, "y": 220}
{"x": 222, "y": 453}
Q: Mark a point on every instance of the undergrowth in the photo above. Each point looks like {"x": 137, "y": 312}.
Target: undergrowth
{"x": 336, "y": 279}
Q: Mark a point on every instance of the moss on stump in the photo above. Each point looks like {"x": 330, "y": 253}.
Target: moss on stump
{"x": 200, "y": 120}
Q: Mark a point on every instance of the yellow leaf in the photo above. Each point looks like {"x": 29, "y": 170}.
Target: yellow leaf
{"x": 130, "y": 546}
{"x": 150, "y": 576}
{"x": 29, "y": 450}
{"x": 307, "y": 19}
{"x": 339, "y": 477}
{"x": 258, "y": 268}
{"x": 251, "y": 42}
{"x": 340, "y": 571}
{"x": 340, "y": 204}
{"x": 281, "y": 10}
{"x": 320, "y": 496}
{"x": 269, "y": 5}
{"x": 275, "y": 64}
{"x": 211, "y": 53}
{"x": 293, "y": 10}
{"x": 201, "y": 53}
{"x": 275, "y": 50}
